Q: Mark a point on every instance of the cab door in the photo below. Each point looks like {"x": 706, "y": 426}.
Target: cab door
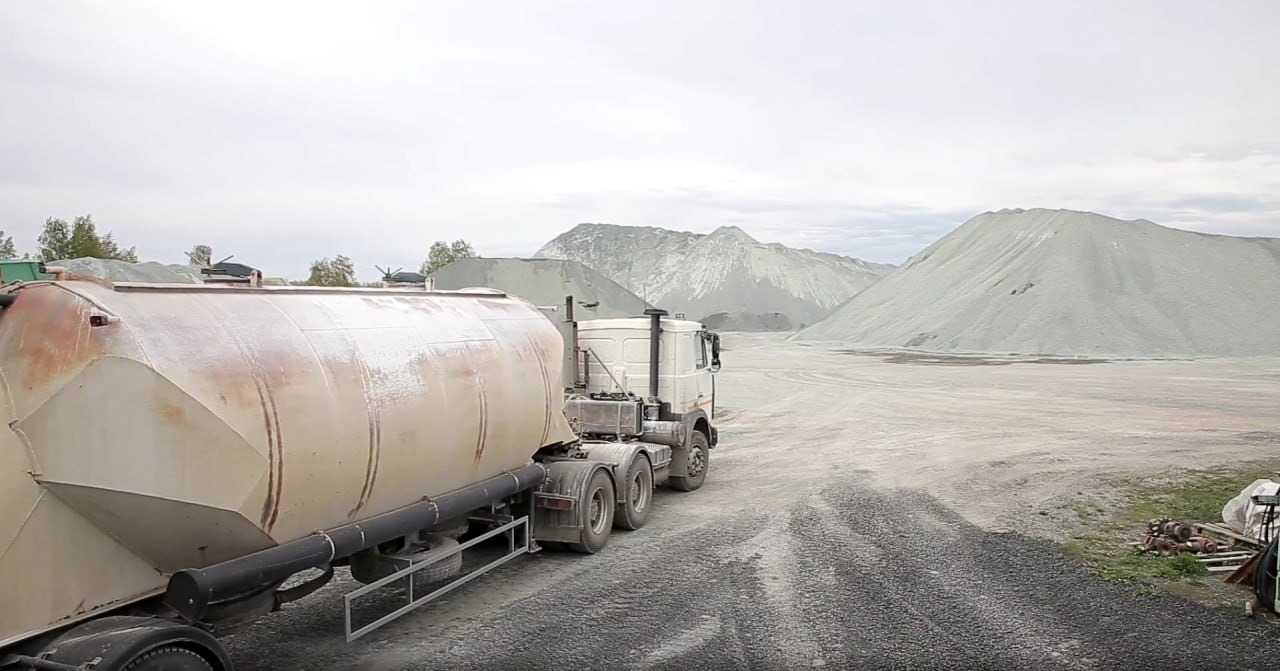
{"x": 703, "y": 378}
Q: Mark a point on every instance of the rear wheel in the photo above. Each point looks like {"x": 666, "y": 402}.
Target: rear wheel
{"x": 137, "y": 643}
{"x": 170, "y": 658}
{"x": 595, "y": 506}
{"x": 637, "y": 495}
{"x": 695, "y": 459}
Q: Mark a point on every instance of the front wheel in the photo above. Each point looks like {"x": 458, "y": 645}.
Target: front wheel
{"x": 695, "y": 458}
{"x": 596, "y": 507}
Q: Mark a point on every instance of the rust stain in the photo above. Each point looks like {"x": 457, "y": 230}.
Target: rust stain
{"x": 371, "y": 466}
{"x": 484, "y": 417}
{"x": 279, "y": 470}
{"x": 270, "y": 505}
{"x": 60, "y": 338}
{"x": 170, "y": 411}
{"x": 375, "y": 436}
{"x": 231, "y": 378}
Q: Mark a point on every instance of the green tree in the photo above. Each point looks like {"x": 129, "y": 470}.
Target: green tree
{"x": 80, "y": 239}
{"x": 201, "y": 255}
{"x": 7, "y": 248}
{"x": 335, "y": 272}
{"x": 443, "y": 253}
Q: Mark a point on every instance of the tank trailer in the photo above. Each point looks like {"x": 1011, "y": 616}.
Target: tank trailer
{"x": 182, "y": 460}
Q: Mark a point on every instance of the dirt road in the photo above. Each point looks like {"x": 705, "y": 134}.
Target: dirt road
{"x": 860, "y": 512}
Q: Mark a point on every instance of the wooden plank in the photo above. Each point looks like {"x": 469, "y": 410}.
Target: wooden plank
{"x": 1213, "y": 528}
{"x": 1223, "y": 560}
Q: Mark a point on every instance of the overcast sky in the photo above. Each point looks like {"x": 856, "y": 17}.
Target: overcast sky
{"x": 282, "y": 132}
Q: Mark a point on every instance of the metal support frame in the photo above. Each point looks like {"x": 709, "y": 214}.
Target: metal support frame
{"x": 512, "y": 552}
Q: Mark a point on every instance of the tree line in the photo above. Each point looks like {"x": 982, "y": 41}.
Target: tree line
{"x": 59, "y": 240}
{"x": 340, "y": 272}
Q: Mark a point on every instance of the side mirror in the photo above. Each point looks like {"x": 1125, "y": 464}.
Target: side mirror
{"x": 715, "y": 352}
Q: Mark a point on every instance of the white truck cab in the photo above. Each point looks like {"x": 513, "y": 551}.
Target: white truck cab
{"x": 618, "y": 361}
{"x": 650, "y": 379}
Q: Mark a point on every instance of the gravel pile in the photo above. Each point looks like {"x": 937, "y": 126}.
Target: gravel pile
{"x": 726, "y": 271}
{"x": 124, "y": 271}
{"x": 1072, "y": 283}
{"x": 545, "y": 282}
{"x": 745, "y": 321}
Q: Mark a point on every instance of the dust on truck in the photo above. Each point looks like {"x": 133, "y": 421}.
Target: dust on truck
{"x": 184, "y": 459}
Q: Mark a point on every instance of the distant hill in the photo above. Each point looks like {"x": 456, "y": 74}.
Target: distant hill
{"x": 727, "y": 271}
{"x": 1072, "y": 283}
{"x": 545, "y": 282}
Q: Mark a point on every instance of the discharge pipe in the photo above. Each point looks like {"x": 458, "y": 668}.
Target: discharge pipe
{"x": 655, "y": 334}
{"x": 191, "y": 591}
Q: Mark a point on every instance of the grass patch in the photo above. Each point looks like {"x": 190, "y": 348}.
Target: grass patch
{"x": 1099, "y": 536}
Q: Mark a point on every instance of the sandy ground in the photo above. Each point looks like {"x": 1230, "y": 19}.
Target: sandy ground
{"x": 860, "y": 512}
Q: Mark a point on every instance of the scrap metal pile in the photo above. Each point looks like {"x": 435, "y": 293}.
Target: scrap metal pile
{"x": 1169, "y": 537}
{"x": 1251, "y": 561}
{"x": 1218, "y": 552}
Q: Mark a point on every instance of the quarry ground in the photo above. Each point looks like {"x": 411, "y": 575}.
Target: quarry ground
{"x": 861, "y": 512}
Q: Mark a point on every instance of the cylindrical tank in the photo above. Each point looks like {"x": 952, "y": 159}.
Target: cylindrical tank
{"x": 155, "y": 428}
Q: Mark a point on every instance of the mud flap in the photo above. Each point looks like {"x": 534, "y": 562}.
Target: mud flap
{"x": 556, "y": 517}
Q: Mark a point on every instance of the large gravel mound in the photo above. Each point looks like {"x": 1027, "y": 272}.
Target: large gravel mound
{"x": 725, "y": 271}
{"x": 741, "y": 321}
{"x": 1073, "y": 283}
{"x": 124, "y": 271}
{"x": 545, "y": 282}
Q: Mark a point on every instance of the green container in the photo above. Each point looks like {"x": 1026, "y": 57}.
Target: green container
{"x": 22, "y": 271}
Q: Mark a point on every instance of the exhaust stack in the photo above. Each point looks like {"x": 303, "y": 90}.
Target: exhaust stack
{"x": 655, "y": 333}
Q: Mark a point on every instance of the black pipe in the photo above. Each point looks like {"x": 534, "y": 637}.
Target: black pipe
{"x": 191, "y": 591}
{"x": 570, "y": 333}
{"x": 655, "y": 335}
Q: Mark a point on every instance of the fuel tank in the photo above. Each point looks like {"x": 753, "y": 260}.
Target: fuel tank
{"x": 153, "y": 427}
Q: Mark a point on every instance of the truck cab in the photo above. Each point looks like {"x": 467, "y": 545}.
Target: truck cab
{"x": 688, "y": 357}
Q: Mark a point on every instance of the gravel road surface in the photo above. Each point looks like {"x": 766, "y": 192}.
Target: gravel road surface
{"x": 851, "y": 578}
{"x": 859, "y": 514}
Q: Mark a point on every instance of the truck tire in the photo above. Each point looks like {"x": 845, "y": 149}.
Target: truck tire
{"x": 169, "y": 658}
{"x": 695, "y": 459}
{"x": 596, "y": 506}
{"x": 369, "y": 566}
{"x": 138, "y": 643}
{"x": 637, "y": 495}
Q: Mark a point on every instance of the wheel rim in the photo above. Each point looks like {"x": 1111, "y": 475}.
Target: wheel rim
{"x": 695, "y": 466}
{"x": 598, "y": 510}
{"x": 639, "y": 493}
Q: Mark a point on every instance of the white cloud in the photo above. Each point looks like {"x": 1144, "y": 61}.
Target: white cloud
{"x": 858, "y": 127}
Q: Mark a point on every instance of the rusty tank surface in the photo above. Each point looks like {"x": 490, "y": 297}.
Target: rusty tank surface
{"x": 155, "y": 428}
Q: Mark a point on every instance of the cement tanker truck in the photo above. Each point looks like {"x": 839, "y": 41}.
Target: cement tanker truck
{"x": 180, "y": 460}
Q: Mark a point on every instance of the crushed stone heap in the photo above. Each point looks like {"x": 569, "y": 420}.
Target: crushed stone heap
{"x": 124, "y": 271}
{"x": 545, "y": 282}
{"x": 723, "y": 276}
{"x": 1063, "y": 282}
